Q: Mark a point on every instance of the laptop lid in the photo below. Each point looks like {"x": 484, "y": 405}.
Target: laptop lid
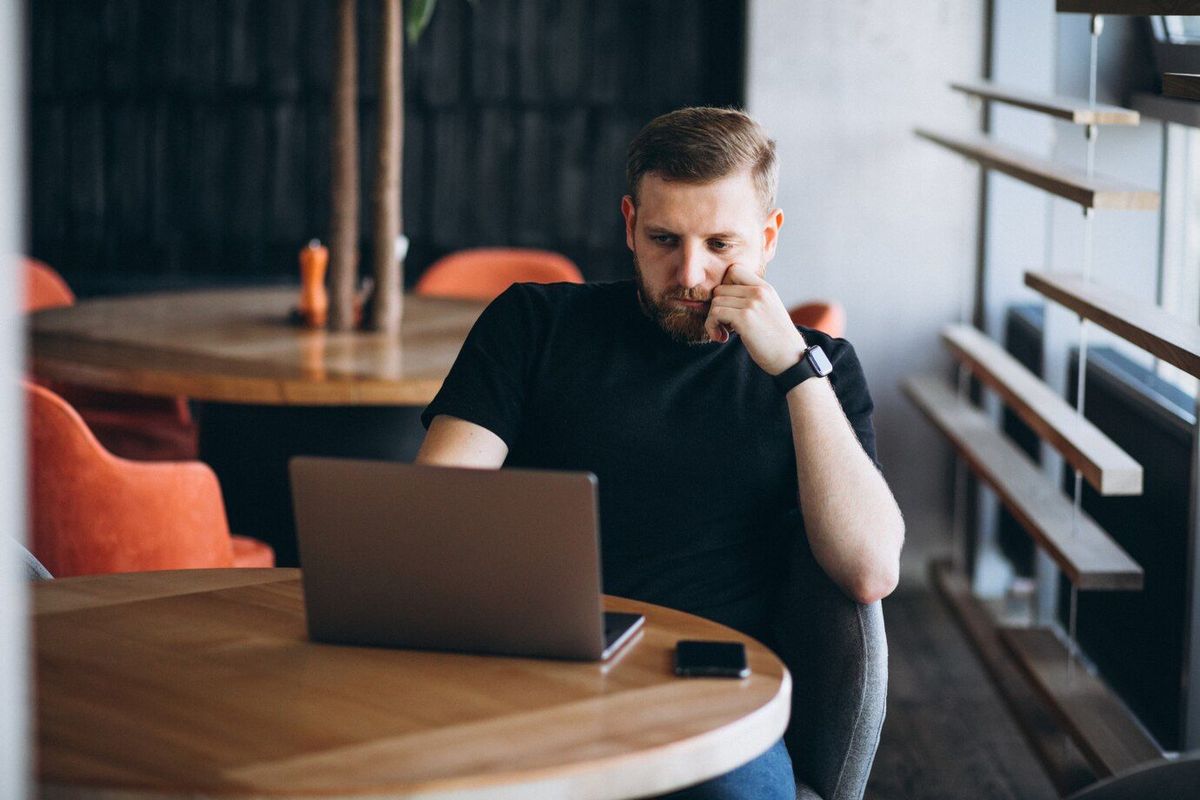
{"x": 482, "y": 561}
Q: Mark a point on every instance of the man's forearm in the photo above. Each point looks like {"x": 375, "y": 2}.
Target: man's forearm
{"x": 854, "y": 526}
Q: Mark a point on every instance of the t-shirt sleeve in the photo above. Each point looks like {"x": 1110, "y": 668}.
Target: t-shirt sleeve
{"x": 490, "y": 378}
{"x": 850, "y": 386}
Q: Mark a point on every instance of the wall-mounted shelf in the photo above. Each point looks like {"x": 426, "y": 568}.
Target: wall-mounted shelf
{"x": 1171, "y": 338}
{"x": 1177, "y": 84}
{"x": 1084, "y": 552}
{"x": 1064, "y": 764}
{"x": 1129, "y": 7}
{"x": 1069, "y": 108}
{"x": 1066, "y": 182}
{"x": 1108, "y": 468}
{"x": 1103, "y": 729}
{"x": 1167, "y": 109}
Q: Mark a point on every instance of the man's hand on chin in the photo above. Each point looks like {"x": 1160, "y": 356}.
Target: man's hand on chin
{"x": 749, "y": 306}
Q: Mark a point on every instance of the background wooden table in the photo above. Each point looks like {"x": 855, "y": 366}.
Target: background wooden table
{"x": 263, "y": 389}
{"x": 237, "y": 346}
{"x": 202, "y": 683}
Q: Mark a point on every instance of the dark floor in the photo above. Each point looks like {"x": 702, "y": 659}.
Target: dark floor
{"x": 947, "y": 733}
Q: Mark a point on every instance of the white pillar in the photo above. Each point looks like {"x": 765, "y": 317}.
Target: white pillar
{"x": 14, "y": 650}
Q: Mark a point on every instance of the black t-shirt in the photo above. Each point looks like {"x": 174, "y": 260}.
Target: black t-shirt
{"x": 691, "y": 444}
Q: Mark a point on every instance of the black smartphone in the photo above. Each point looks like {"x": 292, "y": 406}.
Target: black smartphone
{"x": 711, "y": 659}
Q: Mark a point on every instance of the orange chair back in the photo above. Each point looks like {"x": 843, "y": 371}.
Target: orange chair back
{"x": 827, "y": 317}
{"x": 93, "y": 512}
{"x": 484, "y": 273}
{"x": 44, "y": 287}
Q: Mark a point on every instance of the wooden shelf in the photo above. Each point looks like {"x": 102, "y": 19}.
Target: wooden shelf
{"x": 1069, "y": 108}
{"x": 1178, "y": 84}
{"x": 1129, "y": 7}
{"x": 1171, "y": 338}
{"x": 1069, "y": 183}
{"x": 1083, "y": 551}
{"x": 1108, "y": 468}
{"x": 1061, "y": 759}
{"x": 1104, "y": 730}
{"x": 1167, "y": 109}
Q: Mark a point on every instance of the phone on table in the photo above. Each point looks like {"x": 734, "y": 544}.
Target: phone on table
{"x": 701, "y": 659}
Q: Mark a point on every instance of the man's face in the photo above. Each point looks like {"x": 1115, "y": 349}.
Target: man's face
{"x": 685, "y": 235}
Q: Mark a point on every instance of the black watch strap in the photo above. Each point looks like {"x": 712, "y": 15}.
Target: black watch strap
{"x": 813, "y": 364}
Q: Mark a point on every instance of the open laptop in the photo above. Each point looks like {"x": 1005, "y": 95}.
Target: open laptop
{"x": 480, "y": 561}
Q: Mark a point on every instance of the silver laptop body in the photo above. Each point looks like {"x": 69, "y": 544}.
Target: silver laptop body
{"x": 481, "y": 561}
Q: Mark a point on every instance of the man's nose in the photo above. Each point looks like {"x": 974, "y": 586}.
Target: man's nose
{"x": 693, "y": 265}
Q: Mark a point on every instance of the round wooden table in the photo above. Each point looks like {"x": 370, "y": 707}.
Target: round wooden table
{"x": 202, "y": 683}
{"x": 264, "y": 389}
{"x": 237, "y": 346}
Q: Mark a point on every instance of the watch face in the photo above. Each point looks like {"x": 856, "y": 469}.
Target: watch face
{"x": 819, "y": 361}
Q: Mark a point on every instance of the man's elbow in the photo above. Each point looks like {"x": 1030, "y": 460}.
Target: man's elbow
{"x": 883, "y": 577}
{"x": 876, "y": 586}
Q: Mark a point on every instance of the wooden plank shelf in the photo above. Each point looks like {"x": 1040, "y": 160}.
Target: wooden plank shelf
{"x": 1072, "y": 184}
{"x": 1064, "y": 764}
{"x": 1108, "y": 468}
{"x": 1082, "y": 550}
{"x": 1104, "y": 730}
{"x": 1178, "y": 84}
{"x": 1171, "y": 338}
{"x": 1071, "y": 109}
{"x": 1137, "y": 8}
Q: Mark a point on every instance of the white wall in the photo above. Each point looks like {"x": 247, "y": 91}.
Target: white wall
{"x": 14, "y": 746}
{"x": 876, "y": 218}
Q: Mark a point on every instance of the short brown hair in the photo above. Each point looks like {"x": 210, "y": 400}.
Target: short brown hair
{"x": 702, "y": 144}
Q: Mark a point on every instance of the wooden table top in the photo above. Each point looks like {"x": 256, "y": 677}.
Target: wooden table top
{"x": 237, "y": 346}
{"x": 202, "y": 683}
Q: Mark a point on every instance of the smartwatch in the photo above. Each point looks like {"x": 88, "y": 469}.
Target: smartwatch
{"x": 813, "y": 364}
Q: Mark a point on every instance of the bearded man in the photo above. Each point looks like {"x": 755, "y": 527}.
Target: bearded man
{"x": 718, "y": 430}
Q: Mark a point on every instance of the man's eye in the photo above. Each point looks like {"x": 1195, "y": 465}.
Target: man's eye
{"x": 717, "y": 244}
{"x": 663, "y": 238}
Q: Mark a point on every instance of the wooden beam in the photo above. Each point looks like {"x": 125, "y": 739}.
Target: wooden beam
{"x": 1108, "y": 468}
{"x": 1178, "y": 84}
{"x": 1171, "y": 338}
{"x": 1129, "y": 7}
{"x": 1072, "y": 184}
{"x": 1064, "y": 764}
{"x": 1104, "y": 730}
{"x": 1084, "y": 552}
{"x": 1071, "y": 109}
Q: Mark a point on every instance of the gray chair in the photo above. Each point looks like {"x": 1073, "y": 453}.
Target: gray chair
{"x": 1178, "y": 779}
{"x": 34, "y": 570}
{"x": 836, "y": 651}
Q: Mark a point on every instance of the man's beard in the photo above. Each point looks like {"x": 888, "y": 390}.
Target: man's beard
{"x": 684, "y": 325}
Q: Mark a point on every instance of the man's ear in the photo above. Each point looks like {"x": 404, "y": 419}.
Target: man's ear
{"x": 629, "y": 211}
{"x": 771, "y": 233}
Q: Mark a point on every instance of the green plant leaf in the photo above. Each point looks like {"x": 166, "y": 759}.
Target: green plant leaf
{"x": 419, "y": 13}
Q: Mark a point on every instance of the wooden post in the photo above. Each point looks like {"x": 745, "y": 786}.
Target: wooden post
{"x": 343, "y": 225}
{"x": 386, "y": 310}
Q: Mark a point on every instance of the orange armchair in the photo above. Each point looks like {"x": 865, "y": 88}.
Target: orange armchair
{"x": 93, "y": 512}
{"x": 130, "y": 425}
{"x": 825, "y": 316}
{"x": 45, "y": 288}
{"x": 483, "y": 273}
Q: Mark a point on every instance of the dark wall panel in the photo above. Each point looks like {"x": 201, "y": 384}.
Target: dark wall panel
{"x": 182, "y": 143}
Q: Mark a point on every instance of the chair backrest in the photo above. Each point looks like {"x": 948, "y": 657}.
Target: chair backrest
{"x": 826, "y": 316}
{"x": 34, "y": 570}
{"x": 45, "y": 288}
{"x": 92, "y": 512}
{"x": 1177, "y": 779}
{"x": 836, "y": 651}
{"x": 484, "y": 273}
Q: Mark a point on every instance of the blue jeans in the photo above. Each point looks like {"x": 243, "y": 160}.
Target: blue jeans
{"x": 768, "y": 777}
